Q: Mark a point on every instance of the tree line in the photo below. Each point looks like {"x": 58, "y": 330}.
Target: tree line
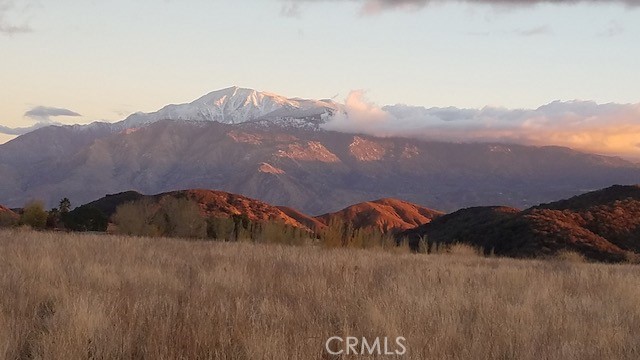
{"x": 182, "y": 218}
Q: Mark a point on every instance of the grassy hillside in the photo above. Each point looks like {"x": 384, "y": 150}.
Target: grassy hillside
{"x": 602, "y": 225}
{"x": 104, "y": 297}
{"x": 386, "y": 215}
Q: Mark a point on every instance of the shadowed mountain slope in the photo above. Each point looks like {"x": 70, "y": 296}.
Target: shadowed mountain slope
{"x": 602, "y": 225}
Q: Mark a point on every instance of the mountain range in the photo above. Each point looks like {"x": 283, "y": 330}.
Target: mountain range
{"x": 275, "y": 149}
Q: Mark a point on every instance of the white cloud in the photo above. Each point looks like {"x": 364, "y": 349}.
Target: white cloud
{"x": 612, "y": 129}
{"x": 359, "y": 114}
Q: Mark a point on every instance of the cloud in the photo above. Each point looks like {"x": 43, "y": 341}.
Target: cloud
{"x": 10, "y": 9}
{"x": 376, "y": 6}
{"x": 611, "y": 129}
{"x": 43, "y": 114}
{"x": 358, "y": 114}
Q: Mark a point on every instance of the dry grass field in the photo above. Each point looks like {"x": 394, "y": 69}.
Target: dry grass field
{"x": 69, "y": 296}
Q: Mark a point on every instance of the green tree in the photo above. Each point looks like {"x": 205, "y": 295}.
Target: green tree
{"x": 53, "y": 218}
{"x": 65, "y": 206}
{"x": 34, "y": 215}
{"x": 85, "y": 218}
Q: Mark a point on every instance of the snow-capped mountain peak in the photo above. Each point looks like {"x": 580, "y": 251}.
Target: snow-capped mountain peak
{"x": 238, "y": 105}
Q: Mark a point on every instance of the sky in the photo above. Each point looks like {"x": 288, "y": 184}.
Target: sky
{"x": 77, "y": 62}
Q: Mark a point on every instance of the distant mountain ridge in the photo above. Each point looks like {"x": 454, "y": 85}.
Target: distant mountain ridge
{"x": 314, "y": 171}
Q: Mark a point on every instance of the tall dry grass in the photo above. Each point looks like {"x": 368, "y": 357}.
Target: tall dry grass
{"x": 102, "y": 297}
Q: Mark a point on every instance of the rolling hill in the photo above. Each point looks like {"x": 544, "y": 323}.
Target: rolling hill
{"x": 602, "y": 225}
{"x": 7, "y": 212}
{"x": 386, "y": 215}
{"x": 212, "y": 204}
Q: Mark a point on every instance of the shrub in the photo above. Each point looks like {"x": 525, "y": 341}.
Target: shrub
{"x": 34, "y": 215}
{"x": 53, "y": 219}
{"x": 175, "y": 217}
{"x": 401, "y": 247}
{"x": 333, "y": 235}
{"x": 8, "y": 219}
{"x": 423, "y": 245}
{"x": 570, "y": 257}
{"x": 466, "y": 250}
{"x": 631, "y": 257}
{"x": 85, "y": 218}
{"x": 136, "y": 218}
{"x": 457, "y": 249}
{"x": 339, "y": 234}
{"x": 180, "y": 218}
{"x": 272, "y": 232}
{"x": 220, "y": 229}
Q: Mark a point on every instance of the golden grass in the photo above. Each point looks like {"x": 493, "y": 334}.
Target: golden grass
{"x": 103, "y": 297}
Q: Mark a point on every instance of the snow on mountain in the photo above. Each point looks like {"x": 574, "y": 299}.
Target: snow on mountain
{"x": 238, "y": 105}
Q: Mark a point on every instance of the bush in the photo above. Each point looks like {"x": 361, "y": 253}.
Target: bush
{"x": 338, "y": 234}
{"x": 460, "y": 249}
{"x": 180, "y": 218}
{"x": 457, "y": 249}
{"x": 632, "y": 257}
{"x": 135, "y": 218}
{"x": 8, "y": 219}
{"x": 85, "y": 218}
{"x": 278, "y": 233}
{"x": 333, "y": 235}
{"x": 34, "y": 215}
{"x": 170, "y": 217}
{"x": 570, "y": 257}
{"x": 220, "y": 229}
